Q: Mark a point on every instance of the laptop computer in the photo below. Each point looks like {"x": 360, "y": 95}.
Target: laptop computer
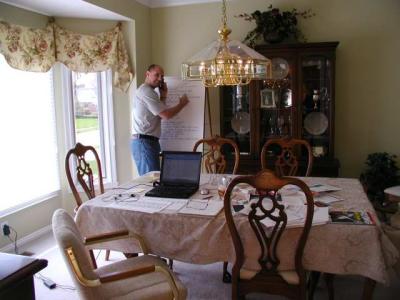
{"x": 180, "y": 175}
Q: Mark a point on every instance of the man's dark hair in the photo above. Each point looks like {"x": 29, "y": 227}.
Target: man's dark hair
{"x": 152, "y": 66}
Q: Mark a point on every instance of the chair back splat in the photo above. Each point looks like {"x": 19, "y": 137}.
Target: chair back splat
{"x": 288, "y": 152}
{"x": 213, "y": 158}
{"x": 84, "y": 171}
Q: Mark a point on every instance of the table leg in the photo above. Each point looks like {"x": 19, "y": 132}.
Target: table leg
{"x": 368, "y": 291}
{"x": 329, "y": 284}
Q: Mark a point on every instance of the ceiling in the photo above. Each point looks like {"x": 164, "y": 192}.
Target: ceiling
{"x": 82, "y": 9}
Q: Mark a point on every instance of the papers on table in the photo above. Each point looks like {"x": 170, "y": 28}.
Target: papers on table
{"x": 319, "y": 188}
{"x": 174, "y": 203}
{"x": 148, "y": 206}
{"x": 327, "y": 199}
{"x": 199, "y": 207}
{"x": 202, "y": 207}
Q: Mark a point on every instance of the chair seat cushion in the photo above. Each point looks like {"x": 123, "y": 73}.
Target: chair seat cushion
{"x": 148, "y": 286}
{"x": 290, "y": 276}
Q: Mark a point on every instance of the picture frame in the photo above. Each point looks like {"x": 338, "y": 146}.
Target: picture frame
{"x": 268, "y": 98}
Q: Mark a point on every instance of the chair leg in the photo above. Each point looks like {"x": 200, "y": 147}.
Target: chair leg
{"x": 226, "y": 276}
{"x": 129, "y": 255}
{"x": 368, "y": 291}
{"x": 93, "y": 259}
{"x": 107, "y": 255}
{"x": 312, "y": 283}
{"x": 329, "y": 284}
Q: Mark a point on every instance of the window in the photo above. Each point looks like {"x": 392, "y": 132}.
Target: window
{"x": 28, "y": 152}
{"x": 90, "y": 115}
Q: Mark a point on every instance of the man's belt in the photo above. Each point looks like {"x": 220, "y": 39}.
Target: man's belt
{"x": 144, "y": 136}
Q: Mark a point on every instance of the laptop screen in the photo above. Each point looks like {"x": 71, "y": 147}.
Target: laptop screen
{"x": 180, "y": 168}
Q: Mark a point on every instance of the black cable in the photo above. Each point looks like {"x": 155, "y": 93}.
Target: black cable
{"x": 14, "y": 240}
{"x": 131, "y": 187}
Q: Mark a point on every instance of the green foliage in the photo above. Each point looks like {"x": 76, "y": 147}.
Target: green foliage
{"x": 381, "y": 173}
{"x": 86, "y": 123}
{"x": 274, "y": 25}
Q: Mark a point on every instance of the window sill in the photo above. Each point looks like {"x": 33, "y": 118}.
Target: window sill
{"x": 25, "y": 205}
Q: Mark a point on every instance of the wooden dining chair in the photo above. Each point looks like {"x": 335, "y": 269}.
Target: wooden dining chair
{"x": 287, "y": 157}
{"x": 286, "y": 164}
{"x": 84, "y": 176}
{"x": 213, "y": 158}
{"x": 215, "y": 163}
{"x": 270, "y": 278}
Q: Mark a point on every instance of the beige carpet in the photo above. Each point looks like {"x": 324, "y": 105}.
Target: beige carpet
{"x": 204, "y": 282}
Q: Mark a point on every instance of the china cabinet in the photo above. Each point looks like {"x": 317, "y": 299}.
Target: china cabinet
{"x": 298, "y": 102}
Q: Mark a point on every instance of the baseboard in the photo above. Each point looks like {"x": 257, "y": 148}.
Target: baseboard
{"x": 26, "y": 239}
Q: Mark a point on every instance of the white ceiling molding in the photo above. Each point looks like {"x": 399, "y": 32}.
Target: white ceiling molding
{"x": 83, "y": 9}
{"x": 69, "y": 9}
{"x": 166, "y": 3}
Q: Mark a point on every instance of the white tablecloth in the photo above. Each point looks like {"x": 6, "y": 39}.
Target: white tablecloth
{"x": 333, "y": 248}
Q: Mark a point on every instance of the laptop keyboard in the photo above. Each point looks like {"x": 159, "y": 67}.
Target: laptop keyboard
{"x": 171, "y": 192}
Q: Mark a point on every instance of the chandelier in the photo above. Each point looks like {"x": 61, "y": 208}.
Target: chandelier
{"x": 225, "y": 62}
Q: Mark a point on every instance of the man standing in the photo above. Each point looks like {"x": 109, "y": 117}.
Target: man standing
{"x": 148, "y": 110}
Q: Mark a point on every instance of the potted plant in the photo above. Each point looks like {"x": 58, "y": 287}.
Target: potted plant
{"x": 275, "y": 26}
{"x": 381, "y": 173}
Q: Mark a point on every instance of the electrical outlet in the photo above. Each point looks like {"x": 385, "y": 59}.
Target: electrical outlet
{"x": 2, "y": 227}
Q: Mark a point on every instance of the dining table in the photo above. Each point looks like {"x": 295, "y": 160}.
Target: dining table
{"x": 333, "y": 248}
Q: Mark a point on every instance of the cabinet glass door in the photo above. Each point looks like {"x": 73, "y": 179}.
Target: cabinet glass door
{"x": 276, "y": 104}
{"x": 316, "y": 96}
{"x": 235, "y": 117}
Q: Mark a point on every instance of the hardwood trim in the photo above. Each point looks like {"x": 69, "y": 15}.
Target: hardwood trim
{"x": 105, "y": 236}
{"x": 112, "y": 236}
{"x": 114, "y": 276}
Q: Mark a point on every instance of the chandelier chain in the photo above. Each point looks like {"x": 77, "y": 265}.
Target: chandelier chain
{"x": 224, "y": 19}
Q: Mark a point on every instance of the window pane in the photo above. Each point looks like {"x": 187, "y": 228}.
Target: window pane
{"x": 28, "y": 156}
{"x": 86, "y": 97}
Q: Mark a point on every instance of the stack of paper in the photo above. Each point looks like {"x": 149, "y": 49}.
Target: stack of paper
{"x": 327, "y": 199}
{"x": 319, "y": 188}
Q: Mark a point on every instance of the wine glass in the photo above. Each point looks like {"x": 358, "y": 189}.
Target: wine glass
{"x": 223, "y": 183}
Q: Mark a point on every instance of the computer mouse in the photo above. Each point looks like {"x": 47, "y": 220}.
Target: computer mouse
{"x": 204, "y": 192}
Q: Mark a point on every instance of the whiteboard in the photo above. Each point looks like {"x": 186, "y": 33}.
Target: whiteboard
{"x": 181, "y": 132}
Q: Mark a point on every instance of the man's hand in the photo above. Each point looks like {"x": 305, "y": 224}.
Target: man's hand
{"x": 172, "y": 111}
{"x": 183, "y": 100}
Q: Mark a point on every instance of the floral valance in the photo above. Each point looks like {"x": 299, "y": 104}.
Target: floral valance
{"x": 38, "y": 49}
{"x": 26, "y": 48}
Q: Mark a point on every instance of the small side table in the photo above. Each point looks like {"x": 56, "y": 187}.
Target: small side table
{"x": 16, "y": 275}
{"x": 393, "y": 195}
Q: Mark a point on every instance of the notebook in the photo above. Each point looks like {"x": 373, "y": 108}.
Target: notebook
{"x": 180, "y": 175}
